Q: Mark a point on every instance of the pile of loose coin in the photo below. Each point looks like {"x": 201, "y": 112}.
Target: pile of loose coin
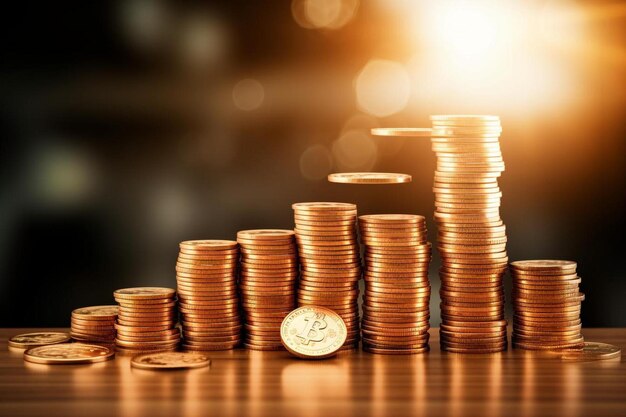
{"x": 269, "y": 270}
{"x": 471, "y": 234}
{"x": 546, "y": 302}
{"x": 330, "y": 260}
{"x": 94, "y": 324}
{"x": 206, "y": 279}
{"x": 146, "y": 319}
{"x": 397, "y": 290}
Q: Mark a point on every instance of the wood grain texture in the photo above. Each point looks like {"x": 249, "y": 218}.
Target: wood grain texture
{"x": 247, "y": 383}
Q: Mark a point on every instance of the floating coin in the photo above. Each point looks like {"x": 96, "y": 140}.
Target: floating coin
{"x": 313, "y": 332}
{"x": 29, "y": 340}
{"x": 68, "y": 353}
{"x": 369, "y": 178}
{"x": 412, "y": 132}
{"x": 170, "y": 360}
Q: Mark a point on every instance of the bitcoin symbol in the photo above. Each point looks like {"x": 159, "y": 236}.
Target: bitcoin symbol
{"x": 312, "y": 331}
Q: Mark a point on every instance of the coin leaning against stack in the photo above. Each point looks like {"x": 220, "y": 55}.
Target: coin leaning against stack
{"x": 269, "y": 270}
{"x": 330, "y": 261}
{"x": 546, "y": 304}
{"x": 397, "y": 290}
{"x": 471, "y": 234}
{"x": 146, "y": 319}
{"x": 94, "y": 324}
{"x": 206, "y": 277}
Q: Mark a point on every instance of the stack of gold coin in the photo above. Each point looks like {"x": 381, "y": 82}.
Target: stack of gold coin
{"x": 471, "y": 235}
{"x": 397, "y": 291}
{"x": 206, "y": 275}
{"x": 546, "y": 303}
{"x": 269, "y": 270}
{"x": 146, "y": 319}
{"x": 330, "y": 261}
{"x": 94, "y": 324}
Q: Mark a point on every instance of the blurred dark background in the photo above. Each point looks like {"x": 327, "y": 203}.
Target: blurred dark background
{"x": 128, "y": 126}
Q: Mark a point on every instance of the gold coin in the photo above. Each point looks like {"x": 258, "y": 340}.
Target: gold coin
{"x": 28, "y": 340}
{"x": 313, "y": 332}
{"x": 170, "y": 360}
{"x": 544, "y": 265}
{"x": 143, "y": 293}
{"x": 369, "y": 178}
{"x": 68, "y": 353}
{"x": 411, "y": 132}
{"x": 323, "y": 206}
{"x": 592, "y": 351}
{"x": 96, "y": 312}
{"x": 208, "y": 245}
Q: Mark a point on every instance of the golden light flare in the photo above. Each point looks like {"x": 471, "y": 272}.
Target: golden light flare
{"x": 323, "y": 14}
{"x": 248, "y": 94}
{"x": 355, "y": 150}
{"x": 315, "y": 162}
{"x": 382, "y": 88}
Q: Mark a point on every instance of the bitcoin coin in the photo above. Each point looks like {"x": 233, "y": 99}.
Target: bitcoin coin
{"x": 170, "y": 360}
{"x": 369, "y": 178}
{"x": 313, "y": 332}
{"x": 29, "y": 340}
{"x": 68, "y": 353}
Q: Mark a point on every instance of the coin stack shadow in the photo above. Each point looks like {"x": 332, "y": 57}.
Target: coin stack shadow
{"x": 146, "y": 319}
{"x": 397, "y": 290}
{"x": 546, "y": 305}
{"x": 94, "y": 324}
{"x": 471, "y": 234}
{"x": 206, "y": 277}
{"x": 330, "y": 261}
{"x": 267, "y": 282}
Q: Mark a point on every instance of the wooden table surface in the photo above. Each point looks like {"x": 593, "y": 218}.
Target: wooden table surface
{"x": 248, "y": 383}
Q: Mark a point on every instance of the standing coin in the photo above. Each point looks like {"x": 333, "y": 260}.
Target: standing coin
{"x": 313, "y": 332}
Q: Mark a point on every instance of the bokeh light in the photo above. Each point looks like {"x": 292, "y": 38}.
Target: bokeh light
{"x": 355, "y": 150}
{"x": 248, "y": 94}
{"x": 316, "y": 162}
{"x": 323, "y": 14}
{"x": 382, "y": 88}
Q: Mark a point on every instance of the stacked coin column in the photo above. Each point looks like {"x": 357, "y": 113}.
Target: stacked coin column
{"x": 206, "y": 276}
{"x": 397, "y": 290}
{"x": 146, "y": 319}
{"x": 269, "y": 271}
{"x": 471, "y": 234}
{"x": 546, "y": 303}
{"x": 94, "y": 324}
{"x": 330, "y": 261}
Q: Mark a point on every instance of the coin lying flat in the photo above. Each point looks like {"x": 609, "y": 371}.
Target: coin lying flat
{"x": 593, "y": 351}
{"x": 68, "y": 353}
{"x": 170, "y": 360}
{"x": 313, "y": 332}
{"x": 29, "y": 340}
{"x": 369, "y": 178}
{"x": 411, "y": 132}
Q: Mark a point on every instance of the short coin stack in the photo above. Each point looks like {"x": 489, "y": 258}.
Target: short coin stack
{"x": 94, "y": 324}
{"x": 269, "y": 270}
{"x": 146, "y": 319}
{"x": 330, "y": 261}
{"x": 546, "y": 302}
{"x": 397, "y": 291}
{"x": 472, "y": 238}
{"x": 206, "y": 277}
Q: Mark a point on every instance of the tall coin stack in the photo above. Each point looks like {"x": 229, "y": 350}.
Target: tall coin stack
{"x": 146, "y": 319}
{"x": 471, "y": 235}
{"x": 269, "y": 270}
{"x": 397, "y": 290}
{"x": 206, "y": 277}
{"x": 546, "y": 303}
{"x": 94, "y": 324}
{"x": 330, "y": 261}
